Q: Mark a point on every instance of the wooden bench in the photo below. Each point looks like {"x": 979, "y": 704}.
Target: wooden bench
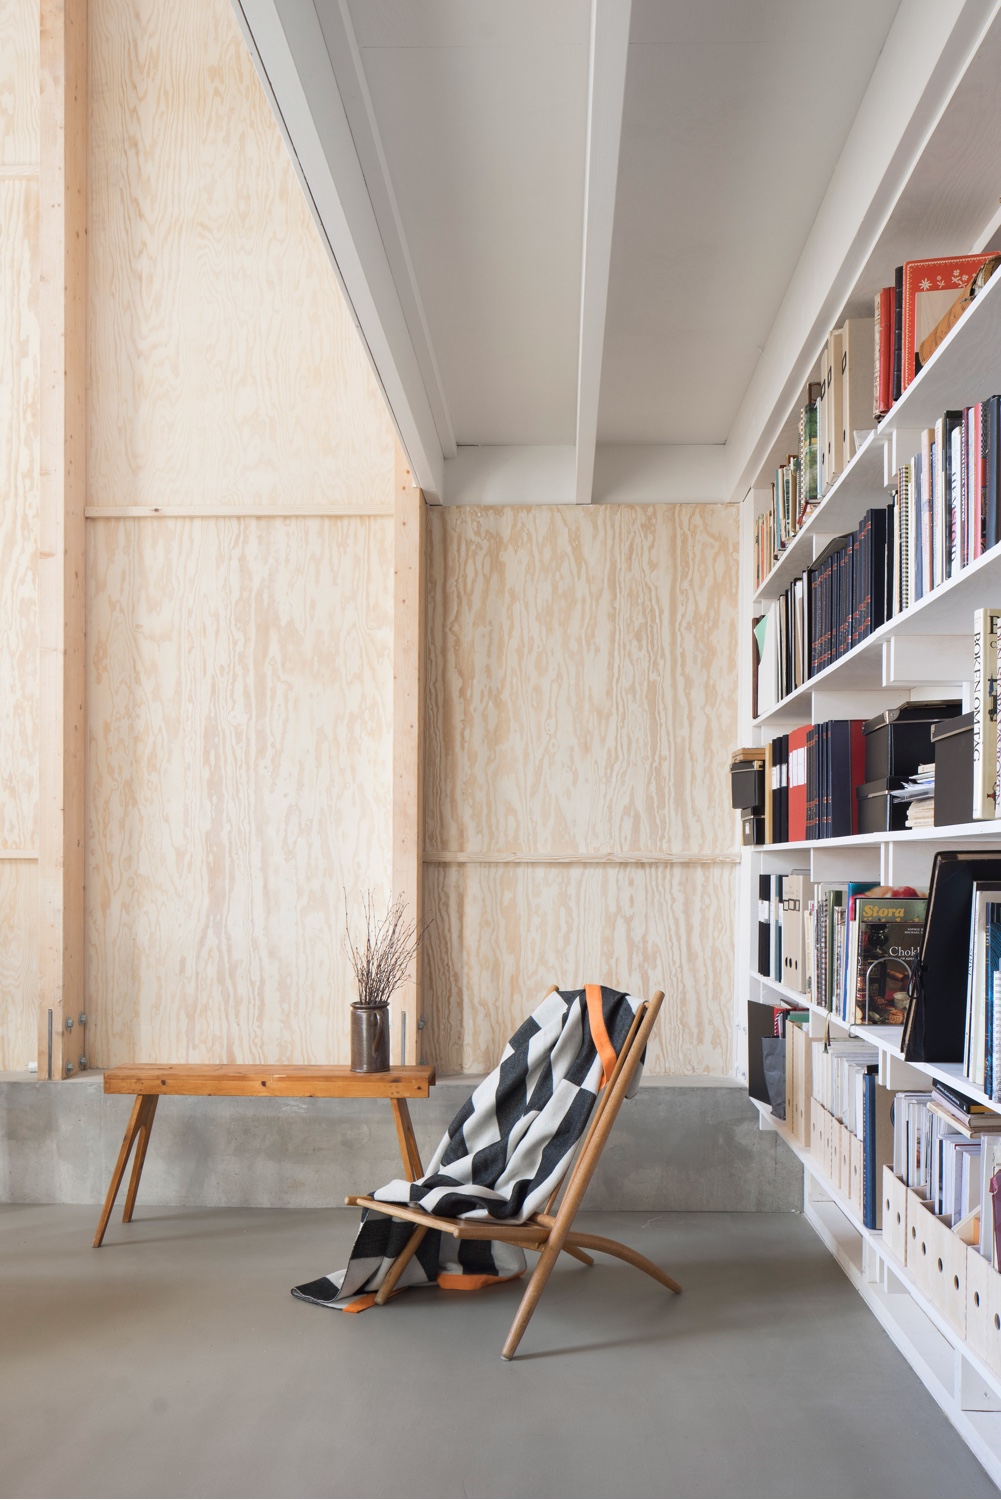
{"x": 147, "y": 1081}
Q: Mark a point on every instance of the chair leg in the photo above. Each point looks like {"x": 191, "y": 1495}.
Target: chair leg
{"x": 131, "y": 1131}
{"x": 145, "y": 1127}
{"x": 530, "y": 1301}
{"x": 398, "y": 1267}
{"x": 622, "y": 1252}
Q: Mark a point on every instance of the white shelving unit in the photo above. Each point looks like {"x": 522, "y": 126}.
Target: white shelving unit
{"x": 962, "y": 1384}
{"x": 923, "y": 653}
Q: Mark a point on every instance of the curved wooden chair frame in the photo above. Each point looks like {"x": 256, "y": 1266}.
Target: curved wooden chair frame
{"x": 547, "y": 1233}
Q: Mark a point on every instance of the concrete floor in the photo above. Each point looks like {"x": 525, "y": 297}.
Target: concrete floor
{"x": 174, "y": 1362}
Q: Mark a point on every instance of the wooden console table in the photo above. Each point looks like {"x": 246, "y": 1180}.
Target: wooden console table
{"x": 147, "y": 1081}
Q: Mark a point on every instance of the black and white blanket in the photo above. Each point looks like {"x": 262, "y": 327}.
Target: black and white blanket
{"x": 502, "y": 1155}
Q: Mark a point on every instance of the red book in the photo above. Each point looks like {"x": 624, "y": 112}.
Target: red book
{"x": 930, "y": 289}
{"x": 797, "y": 783}
{"x": 883, "y": 367}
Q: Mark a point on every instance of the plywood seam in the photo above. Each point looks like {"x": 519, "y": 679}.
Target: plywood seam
{"x": 19, "y": 854}
{"x": 232, "y": 512}
{"x": 508, "y": 857}
{"x": 16, "y": 170}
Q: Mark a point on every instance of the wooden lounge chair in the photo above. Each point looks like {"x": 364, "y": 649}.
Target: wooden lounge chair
{"x": 546, "y": 1233}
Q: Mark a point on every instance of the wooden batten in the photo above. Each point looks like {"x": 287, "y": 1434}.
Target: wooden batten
{"x": 62, "y": 499}
{"x": 410, "y": 583}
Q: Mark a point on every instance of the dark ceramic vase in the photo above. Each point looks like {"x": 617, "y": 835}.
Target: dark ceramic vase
{"x": 369, "y": 1038}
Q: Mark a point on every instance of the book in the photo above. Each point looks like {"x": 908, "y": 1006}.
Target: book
{"x": 979, "y": 1014}
{"x": 897, "y": 319}
{"x": 856, "y": 381}
{"x": 985, "y": 710}
{"x": 889, "y": 941}
{"x": 929, "y": 289}
{"x": 882, "y": 342}
{"x": 834, "y": 461}
{"x": 797, "y": 795}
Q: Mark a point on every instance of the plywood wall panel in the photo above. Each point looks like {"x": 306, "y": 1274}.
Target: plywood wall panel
{"x": 225, "y": 369}
{"x": 581, "y": 701}
{"x": 19, "y": 45}
{"x": 240, "y": 734}
{"x": 19, "y": 514}
{"x": 18, "y": 963}
{"x": 502, "y": 934}
{"x": 580, "y": 679}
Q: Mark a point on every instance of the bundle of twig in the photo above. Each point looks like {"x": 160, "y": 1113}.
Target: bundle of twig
{"x": 381, "y": 962}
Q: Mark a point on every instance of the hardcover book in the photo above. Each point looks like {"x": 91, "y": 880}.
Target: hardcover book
{"x": 930, "y": 287}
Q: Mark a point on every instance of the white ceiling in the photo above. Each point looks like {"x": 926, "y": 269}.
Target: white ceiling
{"x": 721, "y": 179}
{"x": 735, "y": 115}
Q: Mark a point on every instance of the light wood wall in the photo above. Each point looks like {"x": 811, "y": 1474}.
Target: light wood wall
{"x": 581, "y": 712}
{"x": 19, "y": 407}
{"x": 240, "y": 666}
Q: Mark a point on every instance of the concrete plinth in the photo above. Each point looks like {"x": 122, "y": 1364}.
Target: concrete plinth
{"x": 681, "y": 1144}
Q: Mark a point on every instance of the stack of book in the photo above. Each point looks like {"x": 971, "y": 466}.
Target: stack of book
{"x": 844, "y": 1082}
{"x": 912, "y": 317}
{"x": 812, "y": 776}
{"x": 934, "y": 1157}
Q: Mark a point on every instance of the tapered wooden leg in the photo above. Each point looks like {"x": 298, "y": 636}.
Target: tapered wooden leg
{"x": 399, "y": 1265}
{"x": 622, "y": 1252}
{"x": 145, "y": 1126}
{"x": 533, "y": 1291}
{"x": 412, "y": 1168}
{"x": 131, "y": 1130}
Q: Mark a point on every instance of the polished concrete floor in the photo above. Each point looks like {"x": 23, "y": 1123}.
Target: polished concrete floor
{"x": 174, "y": 1362}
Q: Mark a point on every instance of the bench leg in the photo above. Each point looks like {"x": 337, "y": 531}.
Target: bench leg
{"x": 408, "y": 1141}
{"x": 136, "y": 1119}
{"x": 145, "y": 1127}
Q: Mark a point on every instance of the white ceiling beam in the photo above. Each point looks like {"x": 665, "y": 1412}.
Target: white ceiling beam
{"x": 346, "y": 60}
{"x": 290, "y": 53}
{"x": 605, "y": 100}
{"x": 495, "y": 475}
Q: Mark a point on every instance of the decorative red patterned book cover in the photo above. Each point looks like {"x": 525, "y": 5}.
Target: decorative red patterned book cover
{"x": 930, "y": 289}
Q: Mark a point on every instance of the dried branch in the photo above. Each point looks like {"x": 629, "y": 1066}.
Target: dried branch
{"x": 382, "y": 961}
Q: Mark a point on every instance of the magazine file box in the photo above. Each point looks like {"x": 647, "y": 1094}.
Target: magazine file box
{"x": 935, "y": 1027}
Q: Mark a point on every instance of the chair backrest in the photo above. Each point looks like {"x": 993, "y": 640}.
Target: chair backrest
{"x": 609, "y": 1103}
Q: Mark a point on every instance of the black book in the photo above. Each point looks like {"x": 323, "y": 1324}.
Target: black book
{"x": 818, "y": 574}
{"x": 935, "y": 1025}
{"x": 898, "y": 330}
{"x": 875, "y": 610}
{"x": 764, "y": 924}
{"x": 992, "y": 439}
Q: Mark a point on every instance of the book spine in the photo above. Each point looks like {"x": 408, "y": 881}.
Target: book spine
{"x": 896, "y": 336}
{"x": 985, "y": 659}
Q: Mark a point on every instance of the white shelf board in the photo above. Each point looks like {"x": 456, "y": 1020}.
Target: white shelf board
{"x": 796, "y": 998}
{"x": 963, "y": 369}
{"x": 948, "y": 835}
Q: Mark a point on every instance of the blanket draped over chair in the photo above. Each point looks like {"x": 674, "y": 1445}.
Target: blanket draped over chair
{"x": 506, "y": 1150}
